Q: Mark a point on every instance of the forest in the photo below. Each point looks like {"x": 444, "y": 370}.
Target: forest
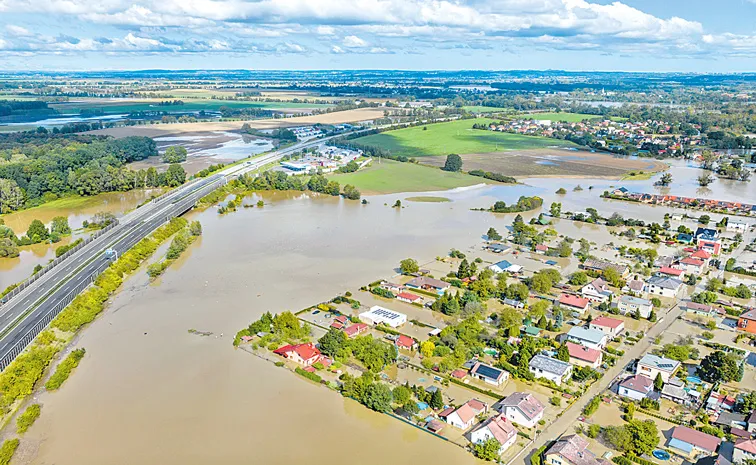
{"x": 37, "y": 167}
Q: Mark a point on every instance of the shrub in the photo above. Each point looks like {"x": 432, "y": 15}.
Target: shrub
{"x": 7, "y": 450}
{"x": 64, "y": 369}
{"x": 592, "y": 406}
{"x": 26, "y": 419}
{"x": 308, "y": 375}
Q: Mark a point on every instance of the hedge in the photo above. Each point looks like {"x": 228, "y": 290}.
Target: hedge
{"x": 64, "y": 369}
{"x": 26, "y": 419}
{"x": 7, "y": 450}
{"x": 18, "y": 380}
{"x": 651, "y": 413}
{"x": 308, "y": 375}
{"x": 475, "y": 388}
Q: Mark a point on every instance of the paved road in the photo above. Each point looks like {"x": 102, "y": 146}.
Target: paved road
{"x": 28, "y": 312}
{"x": 565, "y": 423}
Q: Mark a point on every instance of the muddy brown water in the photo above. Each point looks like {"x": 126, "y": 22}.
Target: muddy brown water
{"x": 149, "y": 392}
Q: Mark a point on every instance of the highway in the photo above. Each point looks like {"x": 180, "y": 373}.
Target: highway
{"x": 31, "y": 310}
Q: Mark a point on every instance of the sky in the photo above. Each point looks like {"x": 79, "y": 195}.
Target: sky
{"x": 581, "y": 35}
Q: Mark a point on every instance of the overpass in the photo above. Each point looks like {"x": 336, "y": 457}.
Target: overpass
{"x": 27, "y": 310}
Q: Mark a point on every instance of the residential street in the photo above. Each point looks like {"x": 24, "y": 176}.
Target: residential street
{"x": 565, "y": 423}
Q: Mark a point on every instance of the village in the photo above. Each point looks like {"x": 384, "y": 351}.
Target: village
{"x": 624, "y": 355}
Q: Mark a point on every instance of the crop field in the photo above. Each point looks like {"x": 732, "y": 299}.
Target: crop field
{"x": 455, "y": 137}
{"x": 125, "y": 106}
{"x": 389, "y": 177}
{"x": 481, "y": 109}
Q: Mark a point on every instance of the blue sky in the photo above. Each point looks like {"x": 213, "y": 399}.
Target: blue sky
{"x": 634, "y": 35}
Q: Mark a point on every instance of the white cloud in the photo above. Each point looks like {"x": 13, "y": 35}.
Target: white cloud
{"x": 325, "y": 30}
{"x": 354, "y": 42}
{"x": 337, "y": 49}
{"x": 17, "y": 31}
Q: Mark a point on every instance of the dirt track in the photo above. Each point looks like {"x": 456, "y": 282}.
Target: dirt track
{"x": 158, "y": 130}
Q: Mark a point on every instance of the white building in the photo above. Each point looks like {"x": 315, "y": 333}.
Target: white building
{"x": 522, "y": 408}
{"x": 663, "y": 286}
{"x": 550, "y": 368}
{"x": 590, "y": 338}
{"x": 636, "y": 387}
{"x": 612, "y": 327}
{"x": 464, "y": 416}
{"x": 498, "y": 428}
{"x": 596, "y": 291}
{"x": 377, "y": 315}
{"x": 628, "y": 305}
{"x": 737, "y": 226}
{"x": 651, "y": 365}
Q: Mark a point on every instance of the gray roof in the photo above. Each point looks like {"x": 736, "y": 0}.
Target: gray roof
{"x": 591, "y": 335}
{"x": 660, "y": 363}
{"x": 665, "y": 282}
{"x": 549, "y": 365}
{"x": 676, "y": 392}
{"x": 628, "y": 299}
{"x": 525, "y": 402}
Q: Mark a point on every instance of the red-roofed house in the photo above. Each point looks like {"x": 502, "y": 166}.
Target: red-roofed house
{"x": 459, "y": 373}
{"x": 574, "y": 302}
{"x": 405, "y": 342}
{"x": 669, "y": 271}
{"x": 356, "y": 329}
{"x": 691, "y": 265}
{"x": 464, "y": 416}
{"x": 636, "y": 387}
{"x": 303, "y": 354}
{"x": 744, "y": 450}
{"x": 409, "y": 297}
{"x": 692, "y": 441}
{"x": 701, "y": 254}
{"x": 584, "y": 356}
{"x": 612, "y": 327}
{"x": 541, "y": 248}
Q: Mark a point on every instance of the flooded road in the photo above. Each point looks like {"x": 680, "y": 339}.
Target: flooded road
{"x": 149, "y": 392}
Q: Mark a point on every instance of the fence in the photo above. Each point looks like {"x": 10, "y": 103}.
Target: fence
{"x": 55, "y": 262}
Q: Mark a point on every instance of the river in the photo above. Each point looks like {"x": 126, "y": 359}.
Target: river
{"x": 149, "y": 392}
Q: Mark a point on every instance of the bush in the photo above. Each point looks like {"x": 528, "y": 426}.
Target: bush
{"x": 308, "y": 375}
{"x": 7, "y": 450}
{"x": 592, "y": 406}
{"x": 18, "y": 380}
{"x": 64, "y": 369}
{"x": 26, "y": 419}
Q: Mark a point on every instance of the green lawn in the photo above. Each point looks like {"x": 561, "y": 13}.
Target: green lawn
{"x": 481, "y": 109}
{"x": 389, "y": 177}
{"x": 455, "y": 137}
{"x": 567, "y": 117}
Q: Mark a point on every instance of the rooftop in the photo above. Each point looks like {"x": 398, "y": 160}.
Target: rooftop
{"x": 573, "y": 301}
{"x": 575, "y": 450}
{"x": 525, "y": 402}
{"x": 660, "y": 363}
{"x": 665, "y": 282}
{"x": 501, "y": 428}
{"x": 696, "y": 438}
{"x": 549, "y": 365}
{"x": 607, "y": 322}
{"x": 591, "y": 335}
{"x": 583, "y": 353}
{"x": 628, "y": 299}
{"x": 638, "y": 383}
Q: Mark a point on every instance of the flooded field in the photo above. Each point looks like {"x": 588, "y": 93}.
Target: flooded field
{"x": 186, "y": 399}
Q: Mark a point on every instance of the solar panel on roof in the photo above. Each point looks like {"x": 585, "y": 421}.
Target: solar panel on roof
{"x": 488, "y": 372}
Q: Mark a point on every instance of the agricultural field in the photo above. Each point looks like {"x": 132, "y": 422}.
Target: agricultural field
{"x": 482, "y": 109}
{"x": 192, "y": 104}
{"x": 566, "y": 117}
{"x": 390, "y": 176}
{"x": 455, "y": 137}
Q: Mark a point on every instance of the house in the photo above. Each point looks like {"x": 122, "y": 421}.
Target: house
{"x": 489, "y": 374}
{"x": 747, "y": 321}
{"x": 574, "y": 303}
{"x": 340, "y": 322}
{"x": 459, "y": 373}
{"x": 590, "y": 338}
{"x": 303, "y": 354}
{"x": 502, "y": 266}
{"x": 532, "y": 331}
{"x": 718, "y": 402}
{"x": 634, "y": 287}
{"x": 737, "y": 226}
{"x": 674, "y": 390}
{"x": 464, "y": 416}
{"x": 685, "y": 238}
{"x": 522, "y": 408}
{"x": 498, "y": 248}
{"x": 718, "y": 459}
{"x": 498, "y": 428}
{"x": 752, "y": 422}
{"x": 393, "y": 287}
{"x": 355, "y": 330}
{"x": 636, "y": 387}
{"x": 379, "y": 315}
{"x": 690, "y": 265}
{"x": 429, "y": 284}
{"x": 663, "y": 286}
{"x": 670, "y": 271}
{"x": 596, "y": 291}
{"x": 405, "y": 342}
{"x": 601, "y": 265}
{"x": 701, "y": 254}
{"x": 583, "y": 356}
{"x": 744, "y": 450}
{"x": 650, "y": 365}
{"x": 693, "y": 442}
{"x": 612, "y": 327}
{"x": 513, "y": 303}
{"x": 409, "y": 298}
{"x": 731, "y": 420}
{"x": 550, "y": 368}
{"x": 572, "y": 450}
{"x": 541, "y": 249}
{"x": 708, "y": 240}
{"x": 698, "y": 309}
{"x": 628, "y": 305}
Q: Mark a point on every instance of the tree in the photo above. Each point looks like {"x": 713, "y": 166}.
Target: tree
{"x": 377, "y": 397}
{"x": 427, "y": 348}
{"x": 747, "y": 403}
{"x": 493, "y": 234}
{"x": 174, "y": 154}
{"x": 37, "y": 231}
{"x": 561, "y": 191}
{"x": 11, "y": 196}
{"x": 705, "y": 179}
{"x": 195, "y": 228}
{"x": 658, "y": 382}
{"x": 436, "y": 400}
{"x": 332, "y": 342}
{"x": 613, "y": 277}
{"x": 401, "y": 394}
{"x": 665, "y": 180}
{"x": 60, "y": 226}
{"x": 351, "y": 192}
{"x": 453, "y": 163}
{"x": 409, "y": 266}
{"x": 556, "y": 209}
{"x": 563, "y": 353}
{"x": 719, "y": 367}
{"x": 704, "y": 219}
{"x": 175, "y": 175}
{"x": 635, "y": 437}
{"x": 578, "y": 278}
{"x": 488, "y": 449}
{"x": 510, "y": 317}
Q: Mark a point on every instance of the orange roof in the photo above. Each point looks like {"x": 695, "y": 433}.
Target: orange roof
{"x": 405, "y": 341}
{"x": 573, "y": 301}
{"x": 670, "y": 271}
{"x": 607, "y": 322}
{"x": 583, "y": 353}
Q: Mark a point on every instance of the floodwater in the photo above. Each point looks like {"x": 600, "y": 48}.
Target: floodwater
{"x": 13, "y": 270}
{"x": 149, "y": 392}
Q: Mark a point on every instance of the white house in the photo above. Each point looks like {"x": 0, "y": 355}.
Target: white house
{"x": 489, "y": 374}
{"x": 464, "y": 416}
{"x": 498, "y": 428}
{"x": 377, "y": 315}
{"x": 505, "y": 266}
{"x": 636, "y": 387}
{"x": 663, "y": 286}
{"x": 651, "y": 365}
{"x": 583, "y": 356}
{"x": 691, "y": 265}
{"x": 744, "y": 450}
{"x": 628, "y": 305}
{"x": 590, "y": 338}
{"x": 612, "y": 327}
{"x": 737, "y": 226}
{"x": 522, "y": 408}
{"x": 550, "y": 368}
{"x": 596, "y": 291}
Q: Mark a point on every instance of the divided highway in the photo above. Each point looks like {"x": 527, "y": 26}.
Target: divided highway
{"x": 31, "y": 310}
